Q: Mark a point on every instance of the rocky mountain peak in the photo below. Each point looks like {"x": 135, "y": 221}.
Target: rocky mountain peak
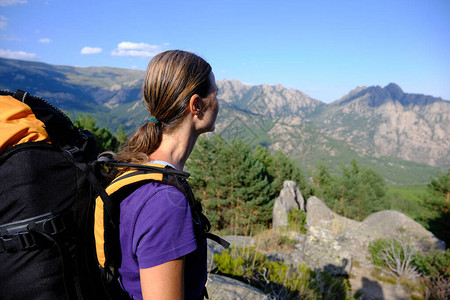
{"x": 266, "y": 100}
{"x": 394, "y": 90}
{"x": 233, "y": 83}
{"x": 376, "y": 96}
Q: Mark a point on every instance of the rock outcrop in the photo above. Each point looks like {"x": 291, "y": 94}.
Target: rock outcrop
{"x": 290, "y": 198}
{"x": 344, "y": 237}
{"x": 225, "y": 288}
{"x": 332, "y": 244}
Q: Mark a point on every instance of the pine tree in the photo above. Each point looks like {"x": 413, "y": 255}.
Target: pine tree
{"x": 356, "y": 193}
{"x": 440, "y": 188}
{"x": 238, "y": 185}
{"x": 232, "y": 184}
{"x": 121, "y": 135}
{"x": 249, "y": 188}
{"x": 281, "y": 168}
{"x": 436, "y": 215}
{"x": 106, "y": 141}
{"x": 204, "y": 169}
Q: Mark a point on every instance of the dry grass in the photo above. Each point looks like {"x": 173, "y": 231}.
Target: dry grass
{"x": 275, "y": 241}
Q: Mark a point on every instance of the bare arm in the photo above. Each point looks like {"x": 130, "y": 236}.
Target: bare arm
{"x": 165, "y": 281}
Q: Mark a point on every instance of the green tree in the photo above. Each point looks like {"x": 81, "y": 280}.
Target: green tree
{"x": 103, "y": 136}
{"x": 440, "y": 189}
{"x": 355, "y": 193}
{"x": 435, "y": 214}
{"x": 249, "y": 188}
{"x": 238, "y": 185}
{"x": 232, "y": 184}
{"x": 206, "y": 168}
{"x": 322, "y": 181}
{"x": 281, "y": 168}
{"x": 121, "y": 135}
{"x": 241, "y": 189}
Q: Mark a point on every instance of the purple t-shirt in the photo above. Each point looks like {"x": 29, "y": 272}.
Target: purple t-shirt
{"x": 155, "y": 227}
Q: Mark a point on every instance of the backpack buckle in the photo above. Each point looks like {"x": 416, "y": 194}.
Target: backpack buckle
{"x": 26, "y": 240}
{"x": 17, "y": 242}
{"x": 54, "y": 225}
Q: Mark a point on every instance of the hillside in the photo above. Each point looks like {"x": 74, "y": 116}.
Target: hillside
{"x": 388, "y": 122}
{"x": 73, "y": 88}
{"x": 405, "y": 137}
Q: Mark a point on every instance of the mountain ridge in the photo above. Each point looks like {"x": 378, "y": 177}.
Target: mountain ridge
{"x": 376, "y": 96}
{"x": 372, "y": 123}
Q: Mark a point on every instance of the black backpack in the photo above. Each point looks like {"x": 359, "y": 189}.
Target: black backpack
{"x": 48, "y": 192}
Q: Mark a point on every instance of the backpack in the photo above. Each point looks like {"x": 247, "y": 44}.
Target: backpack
{"x": 106, "y": 238}
{"x": 51, "y": 180}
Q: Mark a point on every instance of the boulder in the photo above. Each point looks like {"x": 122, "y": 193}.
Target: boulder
{"x": 391, "y": 223}
{"x": 323, "y": 222}
{"x": 290, "y": 198}
{"x": 225, "y": 288}
{"x": 322, "y": 255}
{"x": 212, "y": 249}
{"x": 347, "y": 238}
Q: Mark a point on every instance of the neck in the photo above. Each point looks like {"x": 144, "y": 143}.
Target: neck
{"x": 176, "y": 147}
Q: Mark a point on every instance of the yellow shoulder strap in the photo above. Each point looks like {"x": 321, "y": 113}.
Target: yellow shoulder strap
{"x": 120, "y": 182}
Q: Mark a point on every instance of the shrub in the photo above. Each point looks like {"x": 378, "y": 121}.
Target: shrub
{"x": 297, "y": 221}
{"x": 333, "y": 287}
{"x": 435, "y": 264}
{"x": 396, "y": 255}
{"x": 242, "y": 262}
{"x": 438, "y": 288}
{"x": 274, "y": 241}
{"x": 435, "y": 267}
{"x": 278, "y": 279}
{"x": 375, "y": 248}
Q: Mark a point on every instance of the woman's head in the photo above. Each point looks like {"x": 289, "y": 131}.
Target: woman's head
{"x": 171, "y": 79}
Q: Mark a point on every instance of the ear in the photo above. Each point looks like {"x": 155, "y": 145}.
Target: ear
{"x": 196, "y": 105}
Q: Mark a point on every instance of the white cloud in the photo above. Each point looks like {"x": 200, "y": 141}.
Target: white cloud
{"x": 17, "y": 54}
{"x": 44, "y": 41}
{"x": 3, "y": 22}
{"x": 12, "y": 2}
{"x": 137, "y": 49}
{"x": 91, "y": 50}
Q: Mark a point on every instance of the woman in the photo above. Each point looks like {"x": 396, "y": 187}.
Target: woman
{"x": 161, "y": 258}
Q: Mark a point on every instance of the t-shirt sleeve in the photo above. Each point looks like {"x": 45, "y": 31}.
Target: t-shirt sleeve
{"x": 164, "y": 229}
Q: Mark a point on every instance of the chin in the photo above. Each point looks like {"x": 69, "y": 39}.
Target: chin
{"x": 206, "y": 130}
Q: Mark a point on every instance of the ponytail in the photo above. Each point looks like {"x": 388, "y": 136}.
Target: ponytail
{"x": 141, "y": 144}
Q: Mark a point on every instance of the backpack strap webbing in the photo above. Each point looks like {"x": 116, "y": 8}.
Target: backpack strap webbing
{"x": 118, "y": 190}
{"x": 20, "y": 235}
{"x": 129, "y": 181}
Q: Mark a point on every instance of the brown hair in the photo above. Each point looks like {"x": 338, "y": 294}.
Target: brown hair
{"x": 171, "y": 79}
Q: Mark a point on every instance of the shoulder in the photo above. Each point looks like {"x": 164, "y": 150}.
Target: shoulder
{"x": 155, "y": 193}
{"x": 160, "y": 224}
{"x": 154, "y": 204}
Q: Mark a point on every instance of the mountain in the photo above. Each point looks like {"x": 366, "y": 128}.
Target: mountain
{"x": 405, "y": 137}
{"x": 388, "y": 122}
{"x": 73, "y": 88}
{"x": 266, "y": 100}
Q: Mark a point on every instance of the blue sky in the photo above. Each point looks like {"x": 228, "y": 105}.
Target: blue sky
{"x": 322, "y": 48}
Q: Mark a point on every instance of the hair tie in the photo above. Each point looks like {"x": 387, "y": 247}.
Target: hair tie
{"x": 153, "y": 119}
